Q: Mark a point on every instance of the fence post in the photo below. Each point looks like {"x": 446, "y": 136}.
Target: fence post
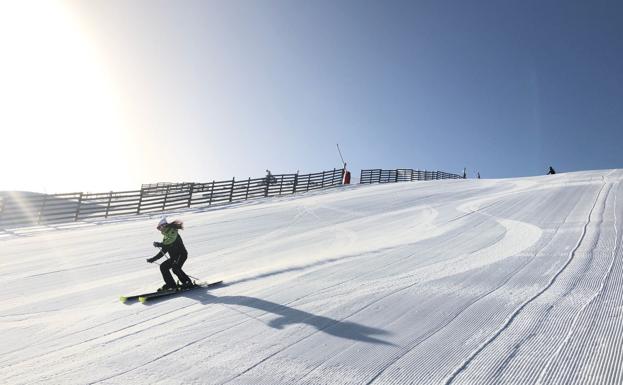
{"x": 190, "y": 194}
{"x": 231, "y": 191}
{"x": 140, "y": 201}
{"x": 308, "y": 181}
{"x": 166, "y": 195}
{"x": 78, "y": 208}
{"x": 211, "y": 193}
{"x": 45, "y": 198}
{"x": 281, "y": 185}
{"x": 246, "y": 197}
{"x": 322, "y": 184}
{"x": 108, "y": 205}
{"x": 396, "y": 177}
{"x": 296, "y": 181}
{"x": 266, "y": 189}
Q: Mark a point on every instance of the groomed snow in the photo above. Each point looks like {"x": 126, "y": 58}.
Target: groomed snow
{"x": 515, "y": 281}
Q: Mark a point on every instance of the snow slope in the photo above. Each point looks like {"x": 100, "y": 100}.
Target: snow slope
{"x": 515, "y": 281}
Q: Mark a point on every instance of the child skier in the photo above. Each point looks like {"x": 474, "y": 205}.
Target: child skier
{"x": 172, "y": 244}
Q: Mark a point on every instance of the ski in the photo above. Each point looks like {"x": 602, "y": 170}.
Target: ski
{"x": 128, "y": 298}
{"x": 157, "y": 294}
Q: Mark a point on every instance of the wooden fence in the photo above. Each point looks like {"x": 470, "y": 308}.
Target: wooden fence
{"x": 403, "y": 175}
{"x": 18, "y": 209}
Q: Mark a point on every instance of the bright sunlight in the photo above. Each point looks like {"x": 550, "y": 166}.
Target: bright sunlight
{"x": 60, "y": 120}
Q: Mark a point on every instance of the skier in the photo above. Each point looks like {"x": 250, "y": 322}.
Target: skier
{"x": 551, "y": 171}
{"x": 172, "y": 244}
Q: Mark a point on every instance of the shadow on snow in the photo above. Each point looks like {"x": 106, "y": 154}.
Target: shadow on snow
{"x": 290, "y": 316}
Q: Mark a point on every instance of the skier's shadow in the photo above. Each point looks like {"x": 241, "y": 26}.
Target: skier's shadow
{"x": 289, "y": 316}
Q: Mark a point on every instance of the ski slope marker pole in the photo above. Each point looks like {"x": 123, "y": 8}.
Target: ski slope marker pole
{"x": 340, "y": 152}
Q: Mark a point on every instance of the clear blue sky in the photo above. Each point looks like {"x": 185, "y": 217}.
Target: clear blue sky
{"x": 146, "y": 91}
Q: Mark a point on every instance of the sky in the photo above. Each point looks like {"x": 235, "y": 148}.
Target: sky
{"x": 106, "y": 95}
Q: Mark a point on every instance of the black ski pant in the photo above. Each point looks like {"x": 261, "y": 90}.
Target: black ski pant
{"x": 175, "y": 263}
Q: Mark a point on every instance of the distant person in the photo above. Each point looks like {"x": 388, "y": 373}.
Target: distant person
{"x": 551, "y": 171}
{"x": 172, "y": 244}
{"x": 464, "y": 173}
{"x": 478, "y": 175}
{"x": 269, "y": 178}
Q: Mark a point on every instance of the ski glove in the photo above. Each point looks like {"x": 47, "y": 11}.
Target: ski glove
{"x": 152, "y": 260}
{"x": 158, "y": 244}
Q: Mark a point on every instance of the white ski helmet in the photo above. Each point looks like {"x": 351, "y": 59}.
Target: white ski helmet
{"x": 163, "y": 221}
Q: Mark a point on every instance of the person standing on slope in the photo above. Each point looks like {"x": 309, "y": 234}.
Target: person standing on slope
{"x": 172, "y": 244}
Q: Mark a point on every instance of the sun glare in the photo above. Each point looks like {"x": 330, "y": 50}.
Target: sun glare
{"x": 60, "y": 122}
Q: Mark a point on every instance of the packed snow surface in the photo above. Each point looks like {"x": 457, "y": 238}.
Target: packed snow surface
{"x": 515, "y": 281}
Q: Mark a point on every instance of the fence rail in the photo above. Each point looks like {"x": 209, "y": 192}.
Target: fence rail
{"x": 402, "y": 175}
{"x": 27, "y": 209}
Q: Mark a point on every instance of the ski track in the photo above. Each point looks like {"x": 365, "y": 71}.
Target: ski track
{"x": 447, "y": 322}
{"x": 570, "y": 333}
{"x": 513, "y": 315}
{"x": 414, "y": 268}
{"x": 572, "y": 329}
